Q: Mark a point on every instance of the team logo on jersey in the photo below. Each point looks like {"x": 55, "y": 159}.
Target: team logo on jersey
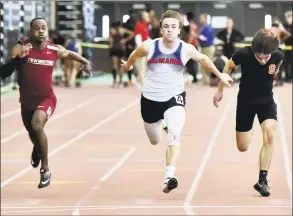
{"x": 40, "y": 62}
{"x": 165, "y": 61}
{"x": 272, "y": 68}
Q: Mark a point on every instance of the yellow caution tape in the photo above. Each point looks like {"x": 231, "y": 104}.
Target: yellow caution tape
{"x": 94, "y": 45}
{"x": 106, "y": 46}
{"x": 240, "y": 45}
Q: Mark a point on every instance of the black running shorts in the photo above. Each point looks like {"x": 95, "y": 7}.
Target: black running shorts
{"x": 153, "y": 111}
{"x": 247, "y": 109}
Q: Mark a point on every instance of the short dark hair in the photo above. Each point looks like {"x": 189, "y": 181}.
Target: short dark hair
{"x": 265, "y": 42}
{"x": 37, "y": 18}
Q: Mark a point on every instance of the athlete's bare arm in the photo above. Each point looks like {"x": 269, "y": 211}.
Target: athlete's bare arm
{"x": 208, "y": 64}
{"x": 277, "y": 69}
{"x": 285, "y": 34}
{"x": 229, "y": 66}
{"x": 139, "y": 52}
{"x": 67, "y": 54}
{"x": 18, "y": 51}
{"x": 129, "y": 37}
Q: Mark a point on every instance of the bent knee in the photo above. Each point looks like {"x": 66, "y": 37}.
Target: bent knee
{"x": 37, "y": 126}
{"x": 155, "y": 141}
{"x": 269, "y": 130}
{"x": 173, "y": 138}
{"x": 243, "y": 140}
{"x": 242, "y": 146}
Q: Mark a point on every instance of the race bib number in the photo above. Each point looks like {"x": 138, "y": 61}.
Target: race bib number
{"x": 179, "y": 99}
{"x": 272, "y": 68}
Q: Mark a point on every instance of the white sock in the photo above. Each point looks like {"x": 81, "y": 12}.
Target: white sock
{"x": 170, "y": 171}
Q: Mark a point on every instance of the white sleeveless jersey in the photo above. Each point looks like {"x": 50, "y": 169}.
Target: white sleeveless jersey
{"x": 165, "y": 71}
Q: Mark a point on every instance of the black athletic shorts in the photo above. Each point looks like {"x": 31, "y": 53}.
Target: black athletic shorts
{"x": 128, "y": 52}
{"x": 117, "y": 52}
{"x": 153, "y": 111}
{"x": 246, "y": 110}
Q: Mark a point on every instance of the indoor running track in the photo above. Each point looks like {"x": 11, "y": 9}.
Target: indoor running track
{"x": 103, "y": 164}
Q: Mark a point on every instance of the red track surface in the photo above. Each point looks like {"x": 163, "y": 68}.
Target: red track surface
{"x": 102, "y": 163}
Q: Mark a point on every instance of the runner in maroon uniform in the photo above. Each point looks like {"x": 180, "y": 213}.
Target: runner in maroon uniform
{"x": 34, "y": 60}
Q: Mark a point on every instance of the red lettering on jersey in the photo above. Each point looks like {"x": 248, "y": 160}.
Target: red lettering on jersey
{"x": 161, "y": 60}
{"x": 165, "y": 61}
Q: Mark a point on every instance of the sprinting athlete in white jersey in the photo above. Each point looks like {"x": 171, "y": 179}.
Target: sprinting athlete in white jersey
{"x": 163, "y": 94}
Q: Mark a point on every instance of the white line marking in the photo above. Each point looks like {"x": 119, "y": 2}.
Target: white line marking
{"x": 10, "y": 113}
{"x": 145, "y": 206}
{"x": 57, "y": 116}
{"x": 15, "y": 134}
{"x": 103, "y": 179}
{"x": 71, "y": 132}
{"x": 69, "y": 142}
{"x": 204, "y": 160}
{"x": 118, "y": 164}
{"x": 70, "y": 208}
{"x": 13, "y": 205}
{"x": 20, "y": 202}
{"x": 285, "y": 149}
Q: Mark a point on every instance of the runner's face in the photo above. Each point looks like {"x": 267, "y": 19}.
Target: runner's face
{"x": 39, "y": 30}
{"x": 170, "y": 29}
{"x": 262, "y": 58}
